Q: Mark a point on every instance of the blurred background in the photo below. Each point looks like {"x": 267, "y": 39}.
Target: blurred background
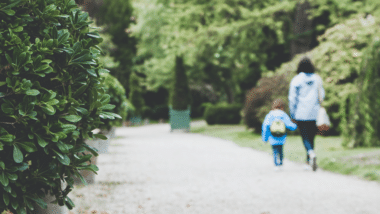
{"x": 239, "y": 55}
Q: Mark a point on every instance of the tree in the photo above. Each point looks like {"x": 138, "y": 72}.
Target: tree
{"x": 180, "y": 95}
{"x": 116, "y": 17}
{"x": 223, "y": 42}
{"x": 135, "y": 95}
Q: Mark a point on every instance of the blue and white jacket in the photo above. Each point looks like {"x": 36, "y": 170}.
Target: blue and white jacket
{"x": 303, "y": 96}
{"x": 269, "y": 118}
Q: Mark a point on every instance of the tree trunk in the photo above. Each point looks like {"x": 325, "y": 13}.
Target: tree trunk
{"x": 302, "y": 30}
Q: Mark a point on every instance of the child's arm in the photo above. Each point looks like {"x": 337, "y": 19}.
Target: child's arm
{"x": 264, "y": 130}
{"x": 289, "y": 124}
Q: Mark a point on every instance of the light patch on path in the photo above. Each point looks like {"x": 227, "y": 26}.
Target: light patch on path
{"x": 150, "y": 170}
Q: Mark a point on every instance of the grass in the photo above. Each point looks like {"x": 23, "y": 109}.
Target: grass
{"x": 332, "y": 156}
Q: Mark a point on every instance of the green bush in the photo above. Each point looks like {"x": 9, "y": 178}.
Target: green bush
{"x": 160, "y": 112}
{"x": 180, "y": 96}
{"x": 223, "y": 114}
{"x": 135, "y": 95}
{"x": 118, "y": 98}
{"x": 51, "y": 97}
{"x": 259, "y": 100}
{"x": 361, "y": 115}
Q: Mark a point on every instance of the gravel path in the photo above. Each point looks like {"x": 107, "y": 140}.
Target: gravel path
{"x": 150, "y": 170}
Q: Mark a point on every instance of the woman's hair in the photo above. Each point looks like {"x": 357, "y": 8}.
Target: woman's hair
{"x": 278, "y": 104}
{"x": 305, "y": 66}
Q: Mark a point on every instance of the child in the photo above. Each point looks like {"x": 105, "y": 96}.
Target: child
{"x": 274, "y": 129}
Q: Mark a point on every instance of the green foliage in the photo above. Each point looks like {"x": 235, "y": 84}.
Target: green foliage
{"x": 135, "y": 95}
{"x": 259, "y": 100}
{"x": 337, "y": 60}
{"x": 180, "y": 96}
{"x": 160, "y": 112}
{"x": 223, "y": 42}
{"x": 118, "y": 101}
{"x": 361, "y": 119}
{"x": 51, "y": 98}
{"x": 223, "y": 114}
{"x": 116, "y": 16}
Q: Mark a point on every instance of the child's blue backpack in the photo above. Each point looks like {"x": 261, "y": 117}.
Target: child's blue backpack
{"x": 278, "y": 128}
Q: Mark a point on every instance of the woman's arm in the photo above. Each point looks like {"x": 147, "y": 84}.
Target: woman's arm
{"x": 288, "y": 123}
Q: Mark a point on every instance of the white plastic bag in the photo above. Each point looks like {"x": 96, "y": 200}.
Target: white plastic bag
{"x": 323, "y": 118}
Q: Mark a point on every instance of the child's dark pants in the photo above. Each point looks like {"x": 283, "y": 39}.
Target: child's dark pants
{"x": 277, "y": 154}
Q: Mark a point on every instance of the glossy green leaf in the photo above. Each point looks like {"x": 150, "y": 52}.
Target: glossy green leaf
{"x": 79, "y": 91}
{"x": 41, "y": 141}
{"x": 18, "y": 157}
{"x": 28, "y": 146}
{"x": 7, "y": 138}
{"x": 8, "y": 188}
{"x": 12, "y": 176}
{"x": 14, "y": 193}
{"x": 4, "y": 179}
{"x": 61, "y": 146}
{"x": 65, "y": 160}
{"x": 2, "y": 165}
{"x": 9, "y": 12}
{"x": 32, "y": 92}
{"x": 21, "y": 210}
{"x": 82, "y": 110}
{"x": 100, "y": 136}
{"x": 14, "y": 204}
{"x": 52, "y": 102}
{"x": 90, "y": 167}
{"x": 7, "y": 109}
{"x": 6, "y": 198}
{"x": 48, "y": 109}
{"x": 73, "y": 118}
{"x": 39, "y": 201}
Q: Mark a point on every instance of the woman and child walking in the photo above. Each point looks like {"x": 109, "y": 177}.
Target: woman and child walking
{"x": 306, "y": 94}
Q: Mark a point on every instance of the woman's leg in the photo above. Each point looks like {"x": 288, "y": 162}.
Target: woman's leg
{"x": 308, "y": 130}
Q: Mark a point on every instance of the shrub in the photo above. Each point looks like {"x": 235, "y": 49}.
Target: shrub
{"x": 160, "y": 112}
{"x": 259, "y": 100}
{"x": 361, "y": 115}
{"x": 223, "y": 114}
{"x": 180, "y": 96}
{"x": 135, "y": 95}
{"x": 118, "y": 98}
{"x": 51, "y": 98}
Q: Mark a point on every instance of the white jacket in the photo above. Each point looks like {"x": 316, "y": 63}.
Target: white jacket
{"x": 303, "y": 96}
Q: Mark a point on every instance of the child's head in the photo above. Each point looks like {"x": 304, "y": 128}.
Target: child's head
{"x": 278, "y": 104}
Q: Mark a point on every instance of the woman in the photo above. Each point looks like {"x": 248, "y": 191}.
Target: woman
{"x": 306, "y": 91}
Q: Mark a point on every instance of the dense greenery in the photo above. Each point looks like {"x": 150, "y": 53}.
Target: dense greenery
{"x": 223, "y": 114}
{"x": 117, "y": 98}
{"x": 361, "y": 120}
{"x": 180, "y": 95}
{"x": 135, "y": 95}
{"x": 51, "y": 97}
{"x": 116, "y": 17}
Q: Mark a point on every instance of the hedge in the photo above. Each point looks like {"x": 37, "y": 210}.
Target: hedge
{"x": 51, "y": 97}
{"x": 222, "y": 114}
